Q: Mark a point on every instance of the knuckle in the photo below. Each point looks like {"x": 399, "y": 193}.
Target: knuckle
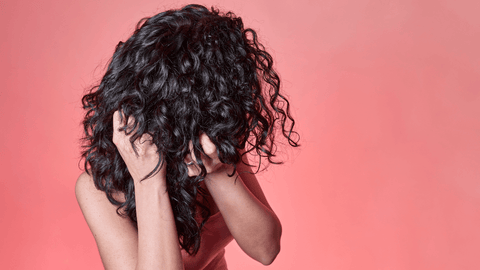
{"x": 116, "y": 140}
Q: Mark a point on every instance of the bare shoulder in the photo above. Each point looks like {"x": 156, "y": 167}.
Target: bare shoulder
{"x": 88, "y": 195}
{"x": 85, "y": 187}
{"x": 115, "y": 235}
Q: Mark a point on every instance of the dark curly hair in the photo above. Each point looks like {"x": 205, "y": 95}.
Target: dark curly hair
{"x": 181, "y": 73}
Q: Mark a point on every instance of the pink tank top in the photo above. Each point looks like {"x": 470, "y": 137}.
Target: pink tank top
{"x": 211, "y": 255}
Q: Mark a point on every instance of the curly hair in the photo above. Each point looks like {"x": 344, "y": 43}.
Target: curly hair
{"x": 182, "y": 73}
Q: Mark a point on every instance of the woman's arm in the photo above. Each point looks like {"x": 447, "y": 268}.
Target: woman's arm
{"x": 252, "y": 223}
{"x": 243, "y": 205}
{"x": 155, "y": 245}
{"x": 158, "y": 246}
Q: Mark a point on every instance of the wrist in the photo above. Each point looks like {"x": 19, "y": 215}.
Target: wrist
{"x": 155, "y": 182}
{"x": 222, "y": 172}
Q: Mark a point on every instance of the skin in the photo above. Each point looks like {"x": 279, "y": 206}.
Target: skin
{"x": 239, "y": 198}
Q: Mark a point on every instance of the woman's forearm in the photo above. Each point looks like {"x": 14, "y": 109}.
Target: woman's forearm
{"x": 254, "y": 226}
{"x": 157, "y": 243}
{"x": 158, "y": 246}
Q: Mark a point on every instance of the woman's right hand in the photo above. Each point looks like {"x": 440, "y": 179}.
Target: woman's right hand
{"x": 143, "y": 162}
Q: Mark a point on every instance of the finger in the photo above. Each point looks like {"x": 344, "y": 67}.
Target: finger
{"x": 117, "y": 122}
{"x": 143, "y": 142}
{"x": 122, "y": 137}
{"x": 208, "y": 146}
{"x": 192, "y": 167}
{"x": 210, "y": 159}
{"x": 145, "y": 138}
{"x": 131, "y": 125}
{"x": 191, "y": 157}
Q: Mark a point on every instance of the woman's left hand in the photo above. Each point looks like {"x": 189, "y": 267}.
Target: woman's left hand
{"x": 249, "y": 218}
{"x": 211, "y": 161}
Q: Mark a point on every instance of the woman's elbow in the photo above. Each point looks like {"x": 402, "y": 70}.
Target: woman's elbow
{"x": 270, "y": 255}
{"x": 271, "y": 251}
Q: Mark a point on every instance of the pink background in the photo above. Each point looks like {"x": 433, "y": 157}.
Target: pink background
{"x": 386, "y": 97}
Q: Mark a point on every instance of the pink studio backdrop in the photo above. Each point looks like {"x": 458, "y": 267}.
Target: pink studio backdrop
{"x": 386, "y": 97}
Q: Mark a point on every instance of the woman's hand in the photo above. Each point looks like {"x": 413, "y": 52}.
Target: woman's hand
{"x": 211, "y": 161}
{"x": 141, "y": 163}
{"x": 156, "y": 236}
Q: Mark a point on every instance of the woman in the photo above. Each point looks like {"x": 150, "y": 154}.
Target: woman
{"x": 167, "y": 131}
